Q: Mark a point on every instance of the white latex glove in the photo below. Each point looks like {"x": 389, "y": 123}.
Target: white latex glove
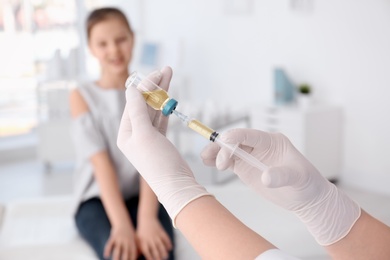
{"x": 155, "y": 157}
{"x": 291, "y": 182}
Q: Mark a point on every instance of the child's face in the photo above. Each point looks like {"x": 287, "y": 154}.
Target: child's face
{"x": 111, "y": 43}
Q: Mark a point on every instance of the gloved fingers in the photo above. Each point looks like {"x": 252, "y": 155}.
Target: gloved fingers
{"x": 275, "y": 177}
{"x": 160, "y": 121}
{"x": 125, "y": 129}
{"x": 248, "y": 137}
{"x": 224, "y": 159}
{"x": 166, "y": 73}
{"x": 150, "y": 82}
{"x": 137, "y": 111}
{"x": 213, "y": 155}
{"x": 209, "y": 154}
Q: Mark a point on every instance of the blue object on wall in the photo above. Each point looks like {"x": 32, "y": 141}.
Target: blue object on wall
{"x": 149, "y": 54}
{"x": 283, "y": 87}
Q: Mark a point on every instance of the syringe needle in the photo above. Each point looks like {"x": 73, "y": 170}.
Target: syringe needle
{"x": 181, "y": 116}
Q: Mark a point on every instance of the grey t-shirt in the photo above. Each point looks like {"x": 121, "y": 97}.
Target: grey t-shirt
{"x": 97, "y": 131}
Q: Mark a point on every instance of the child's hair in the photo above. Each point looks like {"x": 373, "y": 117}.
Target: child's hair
{"x": 101, "y": 14}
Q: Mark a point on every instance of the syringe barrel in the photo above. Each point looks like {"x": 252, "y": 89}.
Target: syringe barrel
{"x": 213, "y": 136}
{"x": 154, "y": 95}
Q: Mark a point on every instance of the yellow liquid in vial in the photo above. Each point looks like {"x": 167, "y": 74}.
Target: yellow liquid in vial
{"x": 201, "y": 128}
{"x": 156, "y": 98}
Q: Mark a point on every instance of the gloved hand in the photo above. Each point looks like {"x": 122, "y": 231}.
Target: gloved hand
{"x": 290, "y": 181}
{"x": 154, "y": 156}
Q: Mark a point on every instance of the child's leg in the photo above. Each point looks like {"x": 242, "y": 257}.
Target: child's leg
{"x": 132, "y": 206}
{"x": 166, "y": 222}
{"x": 93, "y": 224}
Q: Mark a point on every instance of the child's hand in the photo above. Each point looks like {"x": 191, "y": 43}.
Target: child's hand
{"x": 121, "y": 244}
{"x": 152, "y": 240}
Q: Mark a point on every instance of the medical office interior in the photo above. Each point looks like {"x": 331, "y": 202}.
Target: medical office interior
{"x": 316, "y": 70}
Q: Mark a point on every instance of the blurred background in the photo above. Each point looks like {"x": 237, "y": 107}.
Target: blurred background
{"x": 237, "y": 63}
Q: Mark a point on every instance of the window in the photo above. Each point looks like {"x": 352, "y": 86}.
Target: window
{"x": 33, "y": 35}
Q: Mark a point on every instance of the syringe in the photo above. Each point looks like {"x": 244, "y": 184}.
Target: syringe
{"x": 212, "y": 135}
{"x": 159, "y": 99}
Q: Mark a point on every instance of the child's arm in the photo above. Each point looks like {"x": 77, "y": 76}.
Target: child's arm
{"x": 122, "y": 231}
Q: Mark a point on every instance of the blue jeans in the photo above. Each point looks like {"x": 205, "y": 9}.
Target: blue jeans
{"x": 94, "y": 225}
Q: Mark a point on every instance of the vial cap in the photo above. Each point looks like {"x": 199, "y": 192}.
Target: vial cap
{"x": 169, "y": 107}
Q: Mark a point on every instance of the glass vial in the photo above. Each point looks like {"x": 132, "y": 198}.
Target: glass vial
{"x": 155, "y": 96}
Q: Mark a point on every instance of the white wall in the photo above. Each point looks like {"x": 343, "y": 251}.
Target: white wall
{"x": 341, "y": 47}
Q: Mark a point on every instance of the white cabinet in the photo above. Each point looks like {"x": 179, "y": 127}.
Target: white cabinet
{"x": 55, "y": 143}
{"x": 316, "y": 132}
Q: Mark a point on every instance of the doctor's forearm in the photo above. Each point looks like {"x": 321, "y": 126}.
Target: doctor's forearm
{"x": 216, "y": 234}
{"x": 368, "y": 239}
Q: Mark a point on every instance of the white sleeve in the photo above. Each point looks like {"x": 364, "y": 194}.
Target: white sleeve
{"x": 275, "y": 254}
{"x": 87, "y": 137}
